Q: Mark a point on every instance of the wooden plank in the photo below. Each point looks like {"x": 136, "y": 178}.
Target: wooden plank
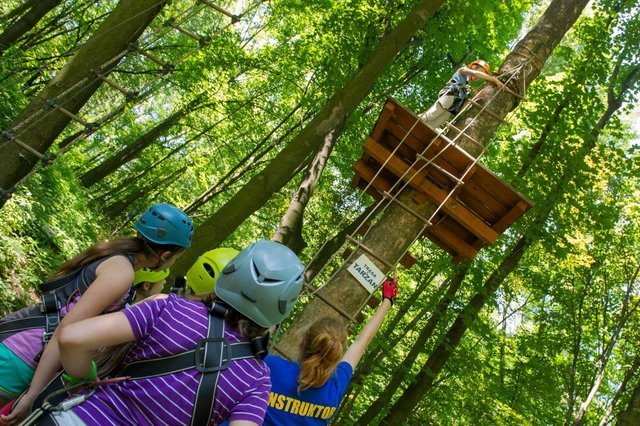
{"x": 459, "y": 212}
{"x": 454, "y": 241}
{"x": 495, "y": 187}
{"x": 474, "y": 191}
{"x": 440, "y": 244}
{"x": 386, "y": 115}
{"x": 514, "y": 214}
{"x": 367, "y": 173}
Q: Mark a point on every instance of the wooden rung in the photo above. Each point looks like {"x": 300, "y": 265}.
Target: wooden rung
{"x": 408, "y": 260}
{"x": 234, "y": 18}
{"x": 369, "y": 251}
{"x": 440, "y": 169}
{"x": 68, "y": 113}
{"x": 165, "y": 66}
{"x": 330, "y": 304}
{"x": 407, "y": 208}
{"x": 492, "y": 114}
{"x": 451, "y": 126}
{"x": 454, "y": 145}
{"x": 22, "y": 145}
{"x": 113, "y": 84}
{"x": 201, "y": 40}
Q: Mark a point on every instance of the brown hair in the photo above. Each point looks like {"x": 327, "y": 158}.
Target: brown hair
{"x": 322, "y": 348}
{"x": 121, "y": 245}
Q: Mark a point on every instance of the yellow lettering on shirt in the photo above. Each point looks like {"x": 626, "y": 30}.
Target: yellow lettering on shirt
{"x": 289, "y": 401}
{"x": 280, "y": 403}
{"x": 300, "y": 408}
{"x": 295, "y": 406}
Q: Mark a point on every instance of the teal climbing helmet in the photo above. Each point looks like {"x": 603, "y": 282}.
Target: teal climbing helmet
{"x": 166, "y": 224}
{"x": 262, "y": 282}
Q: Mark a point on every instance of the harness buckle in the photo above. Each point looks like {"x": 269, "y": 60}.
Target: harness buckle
{"x": 46, "y": 336}
{"x": 201, "y": 359}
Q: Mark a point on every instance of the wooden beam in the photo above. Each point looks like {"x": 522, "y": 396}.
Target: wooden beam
{"x": 514, "y": 214}
{"x": 381, "y": 124}
{"x": 454, "y": 241}
{"x": 418, "y": 180}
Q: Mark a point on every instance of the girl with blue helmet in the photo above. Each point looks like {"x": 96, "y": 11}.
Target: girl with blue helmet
{"x": 97, "y": 281}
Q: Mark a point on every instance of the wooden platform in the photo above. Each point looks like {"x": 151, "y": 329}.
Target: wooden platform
{"x": 481, "y": 206}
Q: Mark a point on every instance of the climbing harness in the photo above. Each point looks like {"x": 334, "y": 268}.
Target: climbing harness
{"x": 56, "y": 294}
{"x": 211, "y": 355}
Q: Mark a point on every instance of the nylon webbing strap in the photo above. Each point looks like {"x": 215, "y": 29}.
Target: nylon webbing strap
{"x": 180, "y": 362}
{"x": 22, "y": 324}
{"x": 59, "y": 283}
{"x": 214, "y": 351}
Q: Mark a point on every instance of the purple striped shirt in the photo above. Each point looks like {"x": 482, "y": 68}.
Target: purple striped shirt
{"x": 165, "y": 327}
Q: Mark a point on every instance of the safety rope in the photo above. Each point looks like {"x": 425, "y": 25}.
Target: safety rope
{"x": 143, "y": 93}
{"x": 389, "y": 198}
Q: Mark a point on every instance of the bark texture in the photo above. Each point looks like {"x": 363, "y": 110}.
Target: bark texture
{"x": 34, "y": 13}
{"x": 283, "y": 167}
{"x": 37, "y": 125}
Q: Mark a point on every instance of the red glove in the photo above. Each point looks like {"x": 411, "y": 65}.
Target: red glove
{"x": 390, "y": 290}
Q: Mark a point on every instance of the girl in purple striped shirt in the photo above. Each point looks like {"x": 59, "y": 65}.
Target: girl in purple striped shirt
{"x": 259, "y": 286}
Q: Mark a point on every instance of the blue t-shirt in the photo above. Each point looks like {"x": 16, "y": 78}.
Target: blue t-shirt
{"x": 314, "y": 406}
{"x": 459, "y": 78}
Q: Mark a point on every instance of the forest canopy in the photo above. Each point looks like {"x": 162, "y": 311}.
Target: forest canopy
{"x": 250, "y": 117}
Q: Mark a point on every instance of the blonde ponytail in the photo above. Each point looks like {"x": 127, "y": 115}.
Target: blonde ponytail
{"x": 322, "y": 349}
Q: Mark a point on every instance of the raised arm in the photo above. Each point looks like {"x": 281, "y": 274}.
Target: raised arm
{"x": 357, "y": 348}
{"x": 480, "y": 75}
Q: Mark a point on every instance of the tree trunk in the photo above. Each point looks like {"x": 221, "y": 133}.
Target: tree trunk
{"x": 631, "y": 415}
{"x": 132, "y": 150}
{"x": 397, "y": 229}
{"x": 425, "y": 379}
{"x": 289, "y": 231}
{"x": 327, "y": 250}
{"x": 417, "y": 348}
{"x": 35, "y": 13}
{"x": 283, "y": 167}
{"x": 72, "y": 87}
{"x": 620, "y": 391}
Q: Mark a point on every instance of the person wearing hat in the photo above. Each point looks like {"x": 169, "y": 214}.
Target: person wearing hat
{"x": 452, "y": 97}
{"x": 186, "y": 365}
{"x": 95, "y": 282}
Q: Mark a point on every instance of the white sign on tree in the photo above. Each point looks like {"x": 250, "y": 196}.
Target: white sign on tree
{"x": 367, "y": 274}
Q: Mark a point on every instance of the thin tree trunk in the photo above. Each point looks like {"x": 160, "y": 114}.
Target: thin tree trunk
{"x": 26, "y": 22}
{"x": 283, "y": 167}
{"x": 602, "y": 362}
{"x": 620, "y": 391}
{"x": 133, "y": 150}
{"x": 248, "y": 161}
{"x": 72, "y": 87}
{"x": 118, "y": 207}
{"x": 289, "y": 231}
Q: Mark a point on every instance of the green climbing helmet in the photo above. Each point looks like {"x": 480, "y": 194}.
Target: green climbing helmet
{"x": 166, "y": 224}
{"x": 262, "y": 282}
{"x": 203, "y": 275}
{"x": 146, "y": 275}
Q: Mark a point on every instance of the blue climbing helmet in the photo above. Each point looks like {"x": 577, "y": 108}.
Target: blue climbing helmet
{"x": 166, "y": 224}
{"x": 262, "y": 282}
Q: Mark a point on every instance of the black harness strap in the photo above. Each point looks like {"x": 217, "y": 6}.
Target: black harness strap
{"x": 211, "y": 355}
{"x": 149, "y": 368}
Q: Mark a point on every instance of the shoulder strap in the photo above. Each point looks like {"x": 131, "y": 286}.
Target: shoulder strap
{"x": 211, "y": 355}
{"x": 58, "y": 283}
